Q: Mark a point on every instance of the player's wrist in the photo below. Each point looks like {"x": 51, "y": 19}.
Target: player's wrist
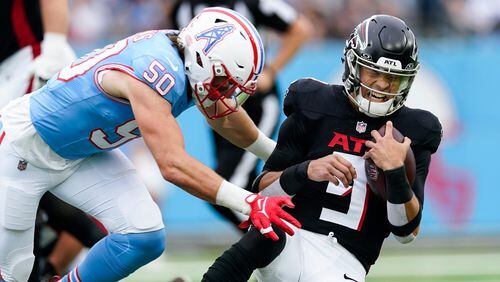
{"x": 294, "y": 178}
{"x": 392, "y": 165}
{"x": 398, "y": 188}
{"x": 233, "y": 197}
{"x": 54, "y": 38}
{"x": 262, "y": 147}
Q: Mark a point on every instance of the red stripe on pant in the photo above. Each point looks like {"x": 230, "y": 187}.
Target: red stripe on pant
{"x": 2, "y": 135}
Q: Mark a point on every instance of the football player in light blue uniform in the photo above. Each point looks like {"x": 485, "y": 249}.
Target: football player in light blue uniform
{"x": 61, "y": 139}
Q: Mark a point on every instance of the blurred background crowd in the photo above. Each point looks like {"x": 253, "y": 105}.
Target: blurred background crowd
{"x": 97, "y": 20}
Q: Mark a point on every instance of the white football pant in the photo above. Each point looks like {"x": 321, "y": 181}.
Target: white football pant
{"x": 105, "y": 186}
{"x": 312, "y": 257}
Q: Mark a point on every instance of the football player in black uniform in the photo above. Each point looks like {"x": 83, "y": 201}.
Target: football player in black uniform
{"x": 319, "y": 159}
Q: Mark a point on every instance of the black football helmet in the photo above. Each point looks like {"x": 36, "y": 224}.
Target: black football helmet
{"x": 384, "y": 44}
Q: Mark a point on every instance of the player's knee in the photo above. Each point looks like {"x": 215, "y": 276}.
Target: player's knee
{"x": 147, "y": 217}
{"x": 141, "y": 213}
{"x": 18, "y": 266}
{"x": 150, "y": 244}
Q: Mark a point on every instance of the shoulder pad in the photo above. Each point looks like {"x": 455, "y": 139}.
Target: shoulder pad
{"x": 435, "y": 130}
{"x": 428, "y": 133}
{"x": 300, "y": 93}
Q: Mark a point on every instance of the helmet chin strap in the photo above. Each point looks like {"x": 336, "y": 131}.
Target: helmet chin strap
{"x": 373, "y": 109}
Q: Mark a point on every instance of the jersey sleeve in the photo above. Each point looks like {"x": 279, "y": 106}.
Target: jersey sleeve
{"x": 160, "y": 76}
{"x": 434, "y": 135}
{"x": 305, "y": 96}
{"x": 290, "y": 146}
{"x": 274, "y": 14}
{"x": 423, "y": 152}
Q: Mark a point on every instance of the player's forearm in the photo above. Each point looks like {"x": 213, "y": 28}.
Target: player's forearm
{"x": 240, "y": 130}
{"x": 55, "y": 16}
{"x": 403, "y": 207}
{"x": 175, "y": 164}
{"x": 267, "y": 178}
{"x": 191, "y": 175}
{"x": 163, "y": 136}
{"x": 298, "y": 33}
{"x": 237, "y": 128}
{"x": 202, "y": 182}
{"x": 412, "y": 208}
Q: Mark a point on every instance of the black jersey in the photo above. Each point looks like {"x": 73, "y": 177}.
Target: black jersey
{"x": 274, "y": 14}
{"x": 20, "y": 25}
{"x": 321, "y": 120}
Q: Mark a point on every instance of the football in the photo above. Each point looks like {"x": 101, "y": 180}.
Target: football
{"x": 375, "y": 176}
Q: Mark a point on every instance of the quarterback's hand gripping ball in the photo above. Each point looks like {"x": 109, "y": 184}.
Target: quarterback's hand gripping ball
{"x": 375, "y": 176}
{"x": 267, "y": 210}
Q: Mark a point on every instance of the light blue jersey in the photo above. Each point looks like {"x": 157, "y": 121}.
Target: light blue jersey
{"x": 75, "y": 116}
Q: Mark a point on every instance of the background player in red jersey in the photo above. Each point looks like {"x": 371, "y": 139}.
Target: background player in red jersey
{"x": 319, "y": 159}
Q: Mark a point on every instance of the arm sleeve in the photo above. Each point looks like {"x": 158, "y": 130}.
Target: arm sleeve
{"x": 290, "y": 145}
{"x": 423, "y": 158}
{"x": 422, "y": 155}
{"x": 170, "y": 89}
{"x": 427, "y": 144}
{"x": 404, "y": 232}
{"x": 275, "y": 14}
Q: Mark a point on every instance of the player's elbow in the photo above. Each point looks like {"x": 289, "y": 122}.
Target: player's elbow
{"x": 408, "y": 238}
{"x": 169, "y": 173}
{"x": 303, "y": 28}
{"x": 405, "y": 239}
{"x": 171, "y": 169}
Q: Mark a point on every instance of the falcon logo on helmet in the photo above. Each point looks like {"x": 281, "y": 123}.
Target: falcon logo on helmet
{"x": 223, "y": 56}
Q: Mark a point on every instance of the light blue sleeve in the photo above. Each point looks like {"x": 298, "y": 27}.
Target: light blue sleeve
{"x": 165, "y": 78}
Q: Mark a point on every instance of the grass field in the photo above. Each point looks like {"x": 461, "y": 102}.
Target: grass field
{"x": 451, "y": 264}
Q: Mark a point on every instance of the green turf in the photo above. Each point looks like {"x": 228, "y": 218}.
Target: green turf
{"x": 410, "y": 266}
{"x": 451, "y": 278}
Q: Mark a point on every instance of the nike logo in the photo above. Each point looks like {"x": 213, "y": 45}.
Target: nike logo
{"x": 259, "y": 203}
{"x": 349, "y": 278}
{"x": 172, "y": 65}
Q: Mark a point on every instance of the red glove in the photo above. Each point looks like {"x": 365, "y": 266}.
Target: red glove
{"x": 267, "y": 210}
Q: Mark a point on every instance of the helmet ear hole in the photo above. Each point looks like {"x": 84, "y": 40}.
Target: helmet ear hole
{"x": 198, "y": 59}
